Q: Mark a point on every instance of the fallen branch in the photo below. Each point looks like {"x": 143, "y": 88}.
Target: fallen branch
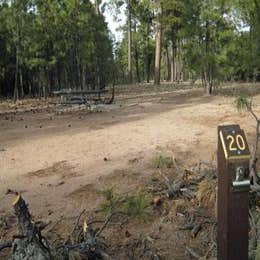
{"x": 173, "y": 188}
{"x": 6, "y": 245}
{"x": 88, "y": 242}
{"x": 190, "y": 224}
{"x": 107, "y": 222}
{"x": 75, "y": 227}
{"x": 193, "y": 253}
{"x": 196, "y": 229}
{"x": 208, "y": 252}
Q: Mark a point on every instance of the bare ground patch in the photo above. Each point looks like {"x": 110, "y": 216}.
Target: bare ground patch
{"x": 60, "y": 169}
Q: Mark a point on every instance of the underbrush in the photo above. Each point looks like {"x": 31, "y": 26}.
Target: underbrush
{"x": 135, "y": 206}
{"x": 161, "y": 161}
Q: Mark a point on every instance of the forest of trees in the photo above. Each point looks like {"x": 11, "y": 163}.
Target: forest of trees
{"x": 175, "y": 40}
{"x": 47, "y": 45}
{"x": 52, "y": 44}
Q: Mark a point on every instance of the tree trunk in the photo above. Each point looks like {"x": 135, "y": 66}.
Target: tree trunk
{"x": 148, "y": 56}
{"x": 30, "y": 89}
{"x": 21, "y": 83}
{"x": 172, "y": 61}
{"x": 208, "y": 88}
{"x": 137, "y": 65}
{"x": 83, "y": 77}
{"x": 97, "y": 2}
{"x": 176, "y": 68}
{"x": 158, "y": 49}
{"x": 16, "y": 92}
{"x": 168, "y": 64}
{"x": 78, "y": 81}
{"x": 209, "y": 80}
{"x": 130, "y": 73}
{"x": 208, "y": 69}
{"x": 31, "y": 245}
{"x": 58, "y": 77}
{"x": 177, "y": 65}
{"x": 137, "y": 70}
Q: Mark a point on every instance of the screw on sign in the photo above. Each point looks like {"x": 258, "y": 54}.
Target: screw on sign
{"x": 233, "y": 188}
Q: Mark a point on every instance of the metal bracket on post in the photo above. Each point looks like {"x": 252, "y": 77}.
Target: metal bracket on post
{"x": 233, "y": 188}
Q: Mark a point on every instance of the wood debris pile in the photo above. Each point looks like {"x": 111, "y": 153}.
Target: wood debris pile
{"x": 84, "y": 242}
{"x": 195, "y": 189}
{"x": 199, "y": 185}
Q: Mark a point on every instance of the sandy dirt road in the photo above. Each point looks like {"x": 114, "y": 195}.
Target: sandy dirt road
{"x": 47, "y": 157}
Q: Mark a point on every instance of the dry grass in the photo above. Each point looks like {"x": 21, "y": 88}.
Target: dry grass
{"x": 206, "y": 193}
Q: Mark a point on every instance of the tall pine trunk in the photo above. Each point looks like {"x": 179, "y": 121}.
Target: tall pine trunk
{"x": 137, "y": 70}
{"x": 158, "y": 49}
{"x": 78, "y": 80}
{"x": 172, "y": 61}
{"x": 16, "y": 92}
{"x": 208, "y": 68}
{"x": 168, "y": 63}
{"x": 148, "y": 56}
{"x": 97, "y": 2}
{"x": 130, "y": 72}
{"x": 21, "y": 83}
{"x": 83, "y": 76}
{"x": 137, "y": 64}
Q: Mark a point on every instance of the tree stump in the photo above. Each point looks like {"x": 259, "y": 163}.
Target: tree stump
{"x": 29, "y": 244}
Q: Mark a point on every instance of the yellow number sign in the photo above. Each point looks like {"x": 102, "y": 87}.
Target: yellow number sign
{"x": 234, "y": 143}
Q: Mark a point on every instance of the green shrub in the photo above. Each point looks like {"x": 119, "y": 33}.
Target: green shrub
{"x": 112, "y": 201}
{"x": 137, "y": 206}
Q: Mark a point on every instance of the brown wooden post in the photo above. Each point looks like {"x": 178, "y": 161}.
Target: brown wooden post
{"x": 233, "y": 188}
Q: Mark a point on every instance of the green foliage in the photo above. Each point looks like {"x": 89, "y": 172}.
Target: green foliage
{"x": 206, "y": 49}
{"x": 58, "y": 44}
{"x": 136, "y": 206}
{"x": 112, "y": 201}
{"x": 143, "y": 43}
{"x": 66, "y": 44}
{"x": 161, "y": 161}
{"x": 210, "y": 39}
{"x": 243, "y": 103}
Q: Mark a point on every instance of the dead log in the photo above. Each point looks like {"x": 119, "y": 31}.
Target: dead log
{"x": 30, "y": 244}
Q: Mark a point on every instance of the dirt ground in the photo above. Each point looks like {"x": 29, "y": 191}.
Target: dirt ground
{"x": 59, "y": 161}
